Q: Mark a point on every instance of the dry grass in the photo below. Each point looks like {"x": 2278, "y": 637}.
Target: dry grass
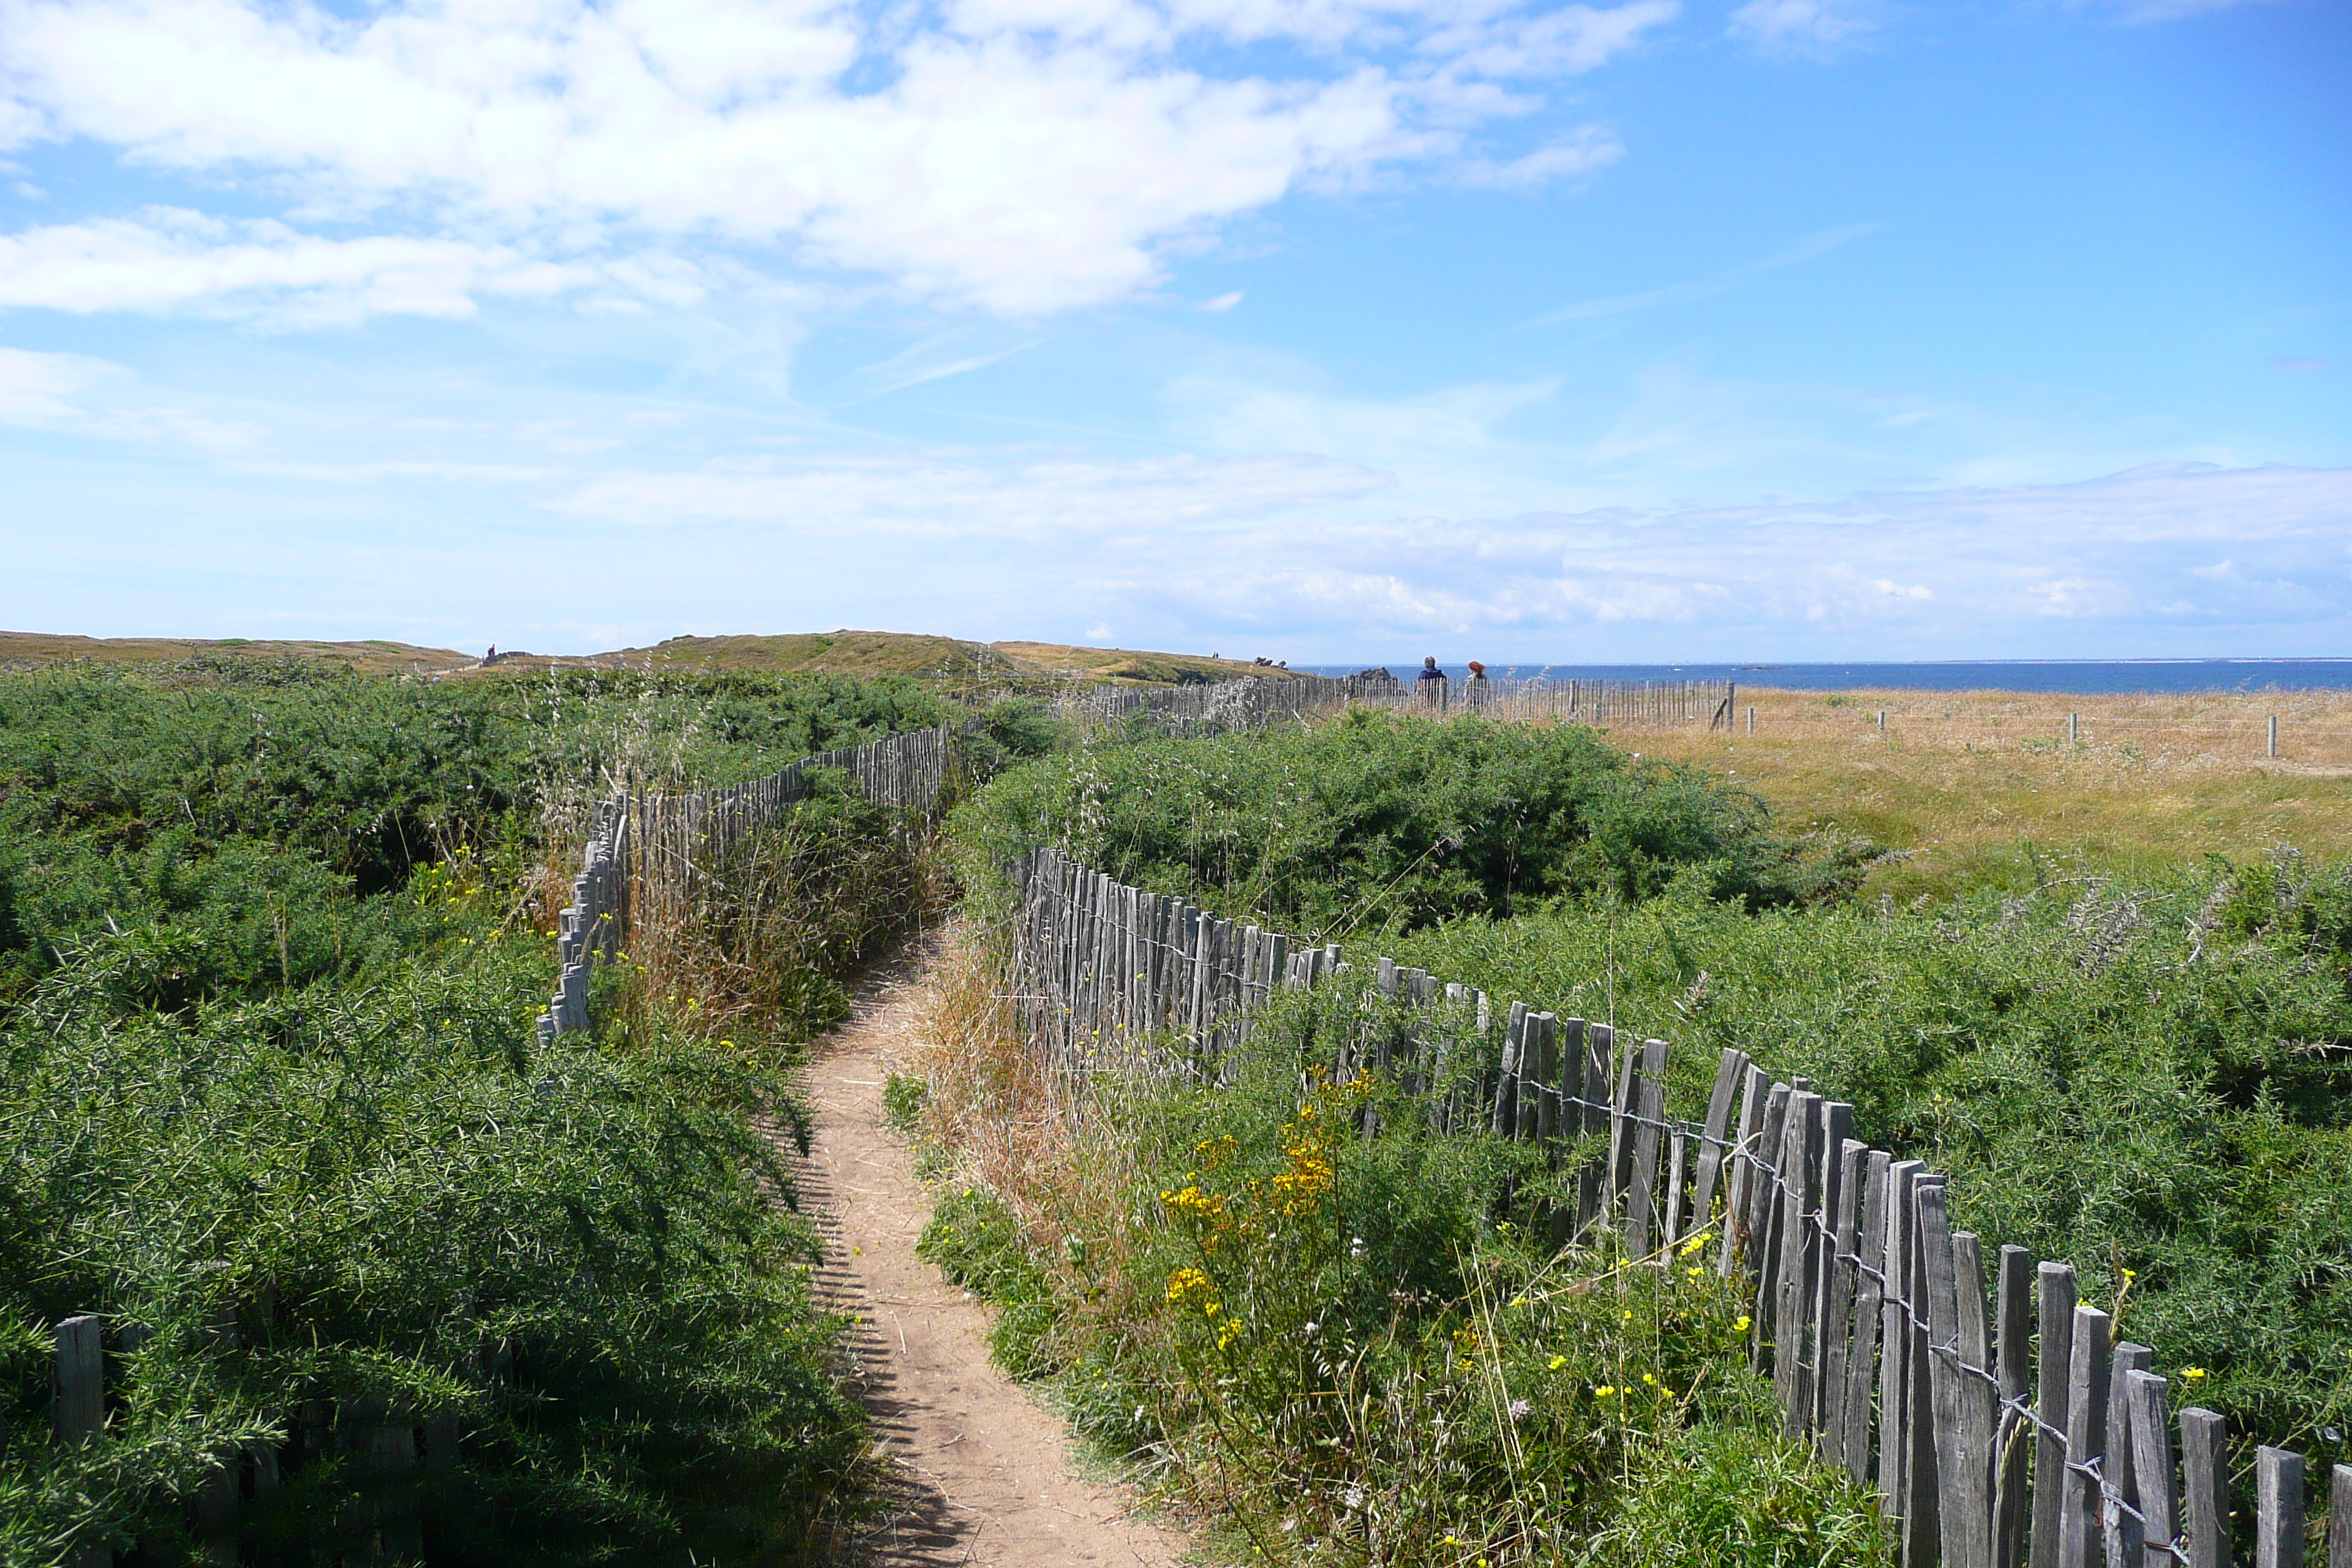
{"x": 1008, "y": 1125}
{"x": 993, "y": 1104}
{"x": 27, "y": 648}
{"x": 1122, "y": 665}
{"x": 1976, "y": 785}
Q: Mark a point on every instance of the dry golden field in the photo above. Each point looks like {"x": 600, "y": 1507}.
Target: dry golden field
{"x": 1984, "y": 785}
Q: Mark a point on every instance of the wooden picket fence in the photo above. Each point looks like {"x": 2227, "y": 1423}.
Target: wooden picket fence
{"x": 2013, "y": 1433}
{"x": 648, "y": 853}
{"x": 1252, "y": 702}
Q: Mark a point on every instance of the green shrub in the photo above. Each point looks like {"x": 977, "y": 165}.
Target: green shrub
{"x": 392, "y": 1189}
{"x": 272, "y": 1104}
{"x": 1393, "y": 820}
{"x": 2151, "y": 1083}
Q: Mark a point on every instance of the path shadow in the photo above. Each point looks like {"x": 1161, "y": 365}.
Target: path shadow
{"x": 914, "y": 1524}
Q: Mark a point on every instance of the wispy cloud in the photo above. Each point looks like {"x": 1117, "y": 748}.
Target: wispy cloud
{"x": 77, "y": 394}
{"x": 935, "y": 358}
{"x": 166, "y": 260}
{"x": 2173, "y": 10}
{"x": 1590, "y": 147}
{"x": 1707, "y": 288}
{"x": 1803, "y": 26}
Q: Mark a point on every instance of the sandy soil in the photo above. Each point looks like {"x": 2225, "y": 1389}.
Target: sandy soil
{"x": 984, "y": 1473}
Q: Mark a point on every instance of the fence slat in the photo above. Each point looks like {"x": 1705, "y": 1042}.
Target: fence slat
{"x": 2205, "y": 1486}
{"x": 1954, "y": 1498}
{"x": 1836, "y": 1332}
{"x": 79, "y": 1390}
{"x": 2120, "y": 1526}
{"x": 2150, "y": 1425}
{"x": 2014, "y": 1437}
{"x": 1730, "y": 1070}
{"x": 1862, "y": 1353}
{"x": 1923, "y": 1484}
{"x": 2339, "y": 1519}
{"x": 1649, "y": 1109}
{"x": 1755, "y": 1089}
{"x": 1979, "y": 1403}
{"x": 1895, "y": 1342}
{"x": 2055, "y": 1283}
{"x": 2087, "y": 1366}
{"x": 2278, "y": 1503}
{"x": 1821, "y": 1253}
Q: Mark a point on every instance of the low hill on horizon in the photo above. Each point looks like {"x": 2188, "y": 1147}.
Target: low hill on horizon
{"x": 842, "y": 652}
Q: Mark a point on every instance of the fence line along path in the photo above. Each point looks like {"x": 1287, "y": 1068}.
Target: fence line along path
{"x": 1251, "y": 702}
{"x": 648, "y": 853}
{"x": 1994, "y": 1414}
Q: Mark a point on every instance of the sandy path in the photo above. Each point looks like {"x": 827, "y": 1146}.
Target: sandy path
{"x": 983, "y": 1472}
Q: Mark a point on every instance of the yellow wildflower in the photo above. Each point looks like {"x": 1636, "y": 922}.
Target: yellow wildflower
{"x": 1186, "y": 1282}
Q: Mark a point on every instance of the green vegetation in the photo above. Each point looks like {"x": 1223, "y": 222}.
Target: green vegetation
{"x": 1383, "y": 820}
{"x": 2153, "y": 1083}
{"x": 272, "y": 1105}
{"x": 2151, "y": 1079}
{"x": 1330, "y": 1342}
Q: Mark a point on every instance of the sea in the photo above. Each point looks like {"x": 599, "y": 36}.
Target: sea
{"x": 2079, "y": 675}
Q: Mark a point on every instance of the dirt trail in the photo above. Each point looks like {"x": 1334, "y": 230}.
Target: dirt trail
{"x": 984, "y": 1471}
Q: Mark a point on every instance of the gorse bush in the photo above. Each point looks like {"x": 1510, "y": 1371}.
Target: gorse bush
{"x": 1384, "y": 820}
{"x": 2151, "y": 1083}
{"x": 273, "y": 1107}
{"x": 119, "y": 789}
{"x": 376, "y": 1198}
{"x": 1349, "y": 1345}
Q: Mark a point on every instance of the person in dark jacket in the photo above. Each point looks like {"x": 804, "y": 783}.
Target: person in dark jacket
{"x": 1430, "y": 689}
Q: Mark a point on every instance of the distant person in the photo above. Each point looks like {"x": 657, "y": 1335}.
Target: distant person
{"x": 492, "y": 656}
{"x": 1474, "y": 690}
{"x": 1429, "y": 687}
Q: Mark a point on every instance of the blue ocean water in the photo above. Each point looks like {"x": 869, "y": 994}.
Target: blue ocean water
{"x": 2084, "y": 675}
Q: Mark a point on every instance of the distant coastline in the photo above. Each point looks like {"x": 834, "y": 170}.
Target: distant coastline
{"x": 2089, "y": 675}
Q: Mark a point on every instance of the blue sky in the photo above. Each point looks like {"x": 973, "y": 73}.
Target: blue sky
{"x": 1781, "y": 329}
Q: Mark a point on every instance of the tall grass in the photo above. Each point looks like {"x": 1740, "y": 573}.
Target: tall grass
{"x": 1346, "y": 1348}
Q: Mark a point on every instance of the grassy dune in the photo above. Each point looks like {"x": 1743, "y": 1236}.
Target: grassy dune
{"x": 28, "y": 648}
{"x": 1977, "y": 785}
{"x": 867, "y": 655}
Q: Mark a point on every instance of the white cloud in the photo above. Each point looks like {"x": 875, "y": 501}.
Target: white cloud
{"x": 77, "y": 394}
{"x": 1807, "y": 27}
{"x": 2173, "y": 10}
{"x": 2110, "y": 565}
{"x": 1149, "y": 503}
{"x": 168, "y": 258}
{"x": 1591, "y": 147}
{"x": 1025, "y": 155}
{"x": 1222, "y": 302}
